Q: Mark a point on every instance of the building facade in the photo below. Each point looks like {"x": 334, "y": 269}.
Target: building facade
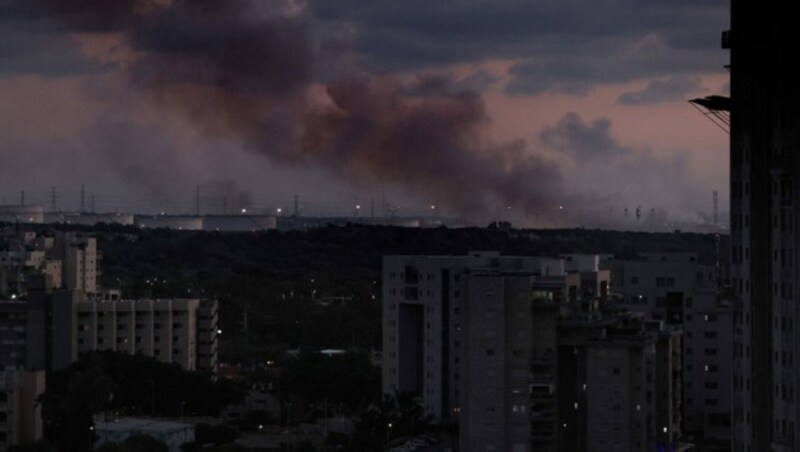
{"x": 168, "y": 330}
{"x": 20, "y": 413}
{"x": 526, "y": 356}
{"x": 676, "y": 289}
{"x": 51, "y": 329}
{"x": 764, "y": 228}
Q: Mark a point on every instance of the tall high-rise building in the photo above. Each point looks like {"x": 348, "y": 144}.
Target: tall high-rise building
{"x": 527, "y": 354}
{"x": 679, "y": 290}
{"x": 765, "y": 136}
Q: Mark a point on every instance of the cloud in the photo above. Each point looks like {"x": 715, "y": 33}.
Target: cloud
{"x": 581, "y": 140}
{"x": 247, "y": 78}
{"x": 566, "y": 46}
{"x": 248, "y": 72}
{"x": 614, "y": 62}
{"x": 620, "y": 175}
{"x": 673, "y": 88}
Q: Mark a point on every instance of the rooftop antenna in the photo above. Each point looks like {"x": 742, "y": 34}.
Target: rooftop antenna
{"x": 197, "y": 200}
{"x": 715, "y": 218}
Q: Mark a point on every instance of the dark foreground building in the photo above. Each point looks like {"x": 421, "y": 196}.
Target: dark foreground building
{"x": 765, "y": 138}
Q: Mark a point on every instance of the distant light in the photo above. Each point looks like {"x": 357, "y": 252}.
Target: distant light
{"x": 244, "y": 210}
{"x": 560, "y": 207}
{"x": 358, "y": 206}
{"x": 390, "y": 425}
{"x": 433, "y": 207}
{"x": 261, "y": 426}
{"x": 279, "y": 210}
{"x": 219, "y": 331}
{"x": 13, "y": 296}
{"x": 665, "y": 430}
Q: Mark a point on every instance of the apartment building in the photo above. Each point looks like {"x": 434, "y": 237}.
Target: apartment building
{"x": 67, "y": 260}
{"x": 676, "y": 289}
{"x": 20, "y": 414}
{"x": 165, "y": 329}
{"x": 51, "y": 329}
{"x": 531, "y": 353}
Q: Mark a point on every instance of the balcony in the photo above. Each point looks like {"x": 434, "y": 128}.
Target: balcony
{"x": 542, "y": 392}
{"x": 543, "y": 415}
{"x": 542, "y": 434}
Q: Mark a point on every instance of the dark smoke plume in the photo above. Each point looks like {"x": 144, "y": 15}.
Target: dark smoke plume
{"x": 241, "y": 70}
{"x": 432, "y": 142}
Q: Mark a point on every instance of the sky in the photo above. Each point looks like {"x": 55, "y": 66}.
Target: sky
{"x": 542, "y": 112}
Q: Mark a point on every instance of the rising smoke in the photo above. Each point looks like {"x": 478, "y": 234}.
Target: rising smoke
{"x": 244, "y": 70}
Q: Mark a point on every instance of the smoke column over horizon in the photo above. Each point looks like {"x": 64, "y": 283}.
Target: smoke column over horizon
{"x": 244, "y": 71}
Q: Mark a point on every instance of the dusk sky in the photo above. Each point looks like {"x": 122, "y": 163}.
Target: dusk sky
{"x": 476, "y": 107}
